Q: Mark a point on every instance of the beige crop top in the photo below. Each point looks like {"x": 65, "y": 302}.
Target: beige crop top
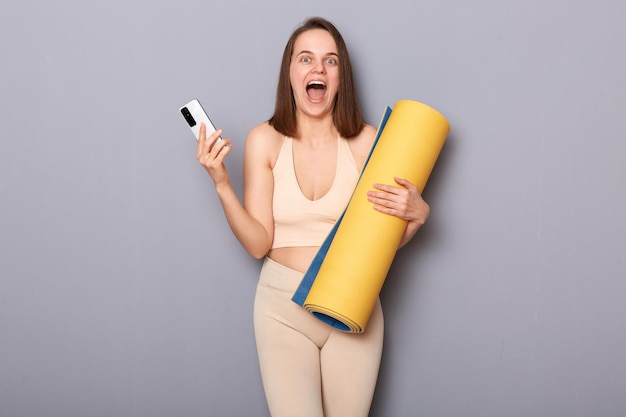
{"x": 299, "y": 221}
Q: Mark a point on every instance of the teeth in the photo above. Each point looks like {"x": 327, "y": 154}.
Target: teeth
{"x": 316, "y": 83}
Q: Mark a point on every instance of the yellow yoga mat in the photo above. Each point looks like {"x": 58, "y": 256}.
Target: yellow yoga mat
{"x": 344, "y": 280}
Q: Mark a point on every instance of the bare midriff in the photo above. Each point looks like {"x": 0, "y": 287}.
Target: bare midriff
{"x": 297, "y": 258}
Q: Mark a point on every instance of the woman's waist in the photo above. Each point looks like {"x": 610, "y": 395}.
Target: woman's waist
{"x": 297, "y": 258}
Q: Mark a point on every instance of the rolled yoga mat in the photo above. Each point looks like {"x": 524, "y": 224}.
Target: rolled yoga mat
{"x": 342, "y": 284}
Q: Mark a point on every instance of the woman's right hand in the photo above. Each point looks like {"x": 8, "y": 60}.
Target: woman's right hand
{"x": 211, "y": 155}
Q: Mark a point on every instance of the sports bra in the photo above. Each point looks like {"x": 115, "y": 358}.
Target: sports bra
{"x": 299, "y": 221}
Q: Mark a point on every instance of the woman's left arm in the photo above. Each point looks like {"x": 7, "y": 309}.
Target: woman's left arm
{"x": 404, "y": 202}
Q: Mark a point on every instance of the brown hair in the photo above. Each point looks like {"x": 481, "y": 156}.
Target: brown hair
{"x": 346, "y": 113}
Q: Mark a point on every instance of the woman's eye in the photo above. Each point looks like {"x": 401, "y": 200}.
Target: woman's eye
{"x": 331, "y": 61}
{"x": 306, "y": 59}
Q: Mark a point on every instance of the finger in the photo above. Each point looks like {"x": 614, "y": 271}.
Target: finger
{"x": 385, "y": 206}
{"x": 407, "y": 185}
{"x": 201, "y": 141}
{"x": 213, "y": 139}
{"x": 403, "y": 182}
{"x": 387, "y": 188}
{"x": 219, "y": 146}
{"x": 383, "y": 199}
{"x": 381, "y": 209}
{"x": 223, "y": 149}
{"x": 389, "y": 192}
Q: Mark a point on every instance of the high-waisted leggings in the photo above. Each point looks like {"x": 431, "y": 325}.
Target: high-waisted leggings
{"x": 309, "y": 368}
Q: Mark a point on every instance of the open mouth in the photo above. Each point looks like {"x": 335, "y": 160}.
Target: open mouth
{"x": 316, "y": 90}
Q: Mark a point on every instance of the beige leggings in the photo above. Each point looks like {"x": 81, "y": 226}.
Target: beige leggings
{"x": 310, "y": 369}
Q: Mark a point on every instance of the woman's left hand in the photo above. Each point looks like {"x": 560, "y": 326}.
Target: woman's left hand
{"x": 404, "y": 202}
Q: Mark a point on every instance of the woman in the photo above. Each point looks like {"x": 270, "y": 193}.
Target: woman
{"x": 300, "y": 169}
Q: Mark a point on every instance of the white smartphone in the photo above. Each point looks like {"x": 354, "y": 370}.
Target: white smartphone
{"x": 194, "y": 114}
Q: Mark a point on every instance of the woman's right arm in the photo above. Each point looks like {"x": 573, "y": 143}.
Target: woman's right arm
{"x": 252, "y": 223}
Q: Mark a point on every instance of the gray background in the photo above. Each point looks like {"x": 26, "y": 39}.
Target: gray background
{"x": 123, "y": 292}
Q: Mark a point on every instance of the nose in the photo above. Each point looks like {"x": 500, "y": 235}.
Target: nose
{"x": 319, "y": 67}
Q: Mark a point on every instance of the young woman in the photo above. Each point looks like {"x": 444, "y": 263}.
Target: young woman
{"x": 300, "y": 169}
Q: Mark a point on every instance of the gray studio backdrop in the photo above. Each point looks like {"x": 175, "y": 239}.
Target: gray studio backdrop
{"x": 123, "y": 292}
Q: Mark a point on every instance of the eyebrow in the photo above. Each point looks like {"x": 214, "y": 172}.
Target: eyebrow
{"x": 311, "y": 53}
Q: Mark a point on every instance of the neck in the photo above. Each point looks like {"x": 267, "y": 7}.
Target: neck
{"x": 316, "y": 129}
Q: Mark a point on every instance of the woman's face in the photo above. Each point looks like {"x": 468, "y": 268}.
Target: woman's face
{"x": 314, "y": 73}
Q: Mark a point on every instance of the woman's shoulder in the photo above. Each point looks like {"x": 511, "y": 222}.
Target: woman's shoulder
{"x": 368, "y": 133}
{"x": 264, "y": 132}
{"x": 264, "y": 141}
{"x": 362, "y": 143}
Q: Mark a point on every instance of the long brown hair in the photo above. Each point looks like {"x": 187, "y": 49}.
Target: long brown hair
{"x": 346, "y": 113}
